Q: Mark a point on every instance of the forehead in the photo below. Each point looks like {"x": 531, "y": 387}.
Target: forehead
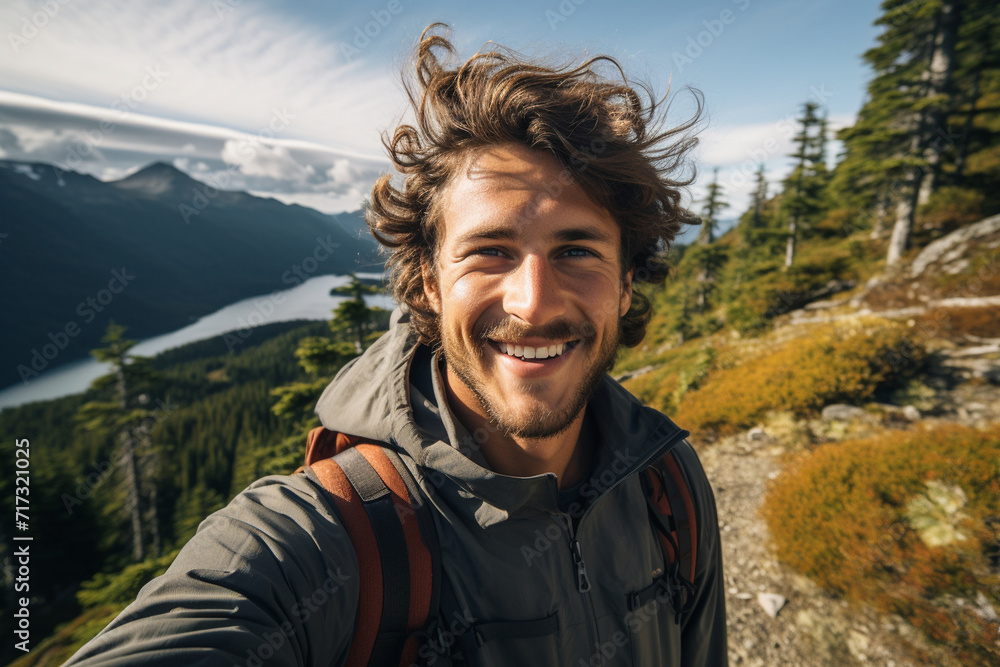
{"x": 521, "y": 190}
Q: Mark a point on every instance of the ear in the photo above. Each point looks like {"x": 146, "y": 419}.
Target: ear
{"x": 626, "y": 298}
{"x": 431, "y": 290}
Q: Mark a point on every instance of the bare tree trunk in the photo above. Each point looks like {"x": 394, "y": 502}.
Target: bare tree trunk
{"x": 703, "y": 278}
{"x": 132, "y": 491}
{"x": 150, "y": 471}
{"x": 881, "y": 214}
{"x": 938, "y": 78}
{"x": 905, "y": 208}
{"x": 127, "y": 448}
{"x": 154, "y": 521}
{"x": 790, "y": 243}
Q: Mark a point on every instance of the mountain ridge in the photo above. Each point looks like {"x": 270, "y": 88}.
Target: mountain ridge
{"x": 68, "y": 233}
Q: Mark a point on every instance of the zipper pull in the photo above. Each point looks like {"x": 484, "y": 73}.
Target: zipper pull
{"x": 582, "y": 582}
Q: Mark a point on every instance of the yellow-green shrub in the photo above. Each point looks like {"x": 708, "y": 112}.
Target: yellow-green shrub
{"x": 843, "y": 516}
{"x": 678, "y": 371}
{"x": 832, "y": 363}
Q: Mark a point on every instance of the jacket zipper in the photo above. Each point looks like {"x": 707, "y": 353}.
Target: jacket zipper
{"x": 583, "y": 584}
{"x": 582, "y": 580}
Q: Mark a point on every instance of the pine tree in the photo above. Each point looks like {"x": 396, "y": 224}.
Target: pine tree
{"x": 354, "y": 316}
{"x": 931, "y": 63}
{"x": 128, "y": 420}
{"x": 752, "y": 224}
{"x": 804, "y": 186}
{"x": 713, "y": 203}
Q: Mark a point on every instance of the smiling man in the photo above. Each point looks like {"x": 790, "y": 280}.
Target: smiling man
{"x": 564, "y": 522}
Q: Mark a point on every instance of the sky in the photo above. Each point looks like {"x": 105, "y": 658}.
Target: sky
{"x": 289, "y": 99}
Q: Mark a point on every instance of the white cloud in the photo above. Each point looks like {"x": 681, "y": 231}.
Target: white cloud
{"x": 258, "y": 159}
{"x": 737, "y": 150}
{"x": 183, "y": 58}
{"x": 74, "y": 137}
{"x": 342, "y": 172}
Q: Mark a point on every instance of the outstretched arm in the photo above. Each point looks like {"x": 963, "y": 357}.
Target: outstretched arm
{"x": 270, "y": 579}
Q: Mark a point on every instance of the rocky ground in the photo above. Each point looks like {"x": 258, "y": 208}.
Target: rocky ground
{"x": 777, "y": 617}
{"x": 810, "y": 627}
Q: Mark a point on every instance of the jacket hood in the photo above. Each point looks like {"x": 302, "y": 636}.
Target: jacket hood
{"x": 374, "y": 397}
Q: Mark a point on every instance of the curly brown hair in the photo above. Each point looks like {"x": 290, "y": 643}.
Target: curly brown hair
{"x": 606, "y": 137}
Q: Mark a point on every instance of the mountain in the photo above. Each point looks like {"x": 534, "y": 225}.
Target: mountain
{"x": 154, "y": 251}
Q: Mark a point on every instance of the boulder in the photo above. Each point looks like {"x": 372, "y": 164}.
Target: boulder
{"x": 842, "y": 412}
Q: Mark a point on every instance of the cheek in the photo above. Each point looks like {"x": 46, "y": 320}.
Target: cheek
{"x": 604, "y": 298}
{"x": 463, "y": 300}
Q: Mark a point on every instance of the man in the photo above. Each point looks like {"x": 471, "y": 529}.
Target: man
{"x": 536, "y": 202}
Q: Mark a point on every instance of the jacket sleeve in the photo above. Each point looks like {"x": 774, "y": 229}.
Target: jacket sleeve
{"x": 271, "y": 579}
{"x": 703, "y": 633}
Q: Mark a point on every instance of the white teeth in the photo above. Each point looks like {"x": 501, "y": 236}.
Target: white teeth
{"x": 525, "y": 352}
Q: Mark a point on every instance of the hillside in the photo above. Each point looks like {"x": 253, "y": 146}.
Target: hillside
{"x": 903, "y": 353}
{"x": 154, "y": 251}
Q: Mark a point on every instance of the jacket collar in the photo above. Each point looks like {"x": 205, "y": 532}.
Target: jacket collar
{"x": 411, "y": 413}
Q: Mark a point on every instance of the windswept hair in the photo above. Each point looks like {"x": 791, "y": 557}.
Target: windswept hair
{"x": 607, "y": 137}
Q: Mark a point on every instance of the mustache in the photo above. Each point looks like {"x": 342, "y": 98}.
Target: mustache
{"x": 512, "y": 331}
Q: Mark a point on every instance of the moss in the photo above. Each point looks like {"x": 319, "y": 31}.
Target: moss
{"x": 826, "y": 364}
{"x": 853, "y": 515}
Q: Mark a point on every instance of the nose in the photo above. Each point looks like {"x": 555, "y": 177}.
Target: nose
{"x": 533, "y": 293}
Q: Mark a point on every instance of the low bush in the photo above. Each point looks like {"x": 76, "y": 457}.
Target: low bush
{"x": 828, "y": 364}
{"x": 908, "y": 522}
{"x": 678, "y": 371}
{"x": 957, "y": 323}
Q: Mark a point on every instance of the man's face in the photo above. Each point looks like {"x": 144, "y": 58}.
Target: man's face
{"x": 529, "y": 290}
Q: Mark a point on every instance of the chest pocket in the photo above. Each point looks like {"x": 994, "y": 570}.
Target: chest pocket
{"x": 521, "y": 643}
{"x": 653, "y": 627}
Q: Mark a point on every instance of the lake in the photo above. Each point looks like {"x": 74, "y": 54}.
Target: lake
{"x": 309, "y": 301}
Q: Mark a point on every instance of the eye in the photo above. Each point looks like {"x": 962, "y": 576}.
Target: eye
{"x": 579, "y": 252}
{"x": 488, "y": 251}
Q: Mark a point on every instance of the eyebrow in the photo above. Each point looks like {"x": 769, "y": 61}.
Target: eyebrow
{"x": 507, "y": 233}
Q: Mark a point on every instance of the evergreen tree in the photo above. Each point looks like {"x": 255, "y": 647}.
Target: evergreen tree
{"x": 704, "y": 253}
{"x": 128, "y": 420}
{"x": 803, "y": 187}
{"x": 931, "y": 65}
{"x": 354, "y": 316}
{"x": 752, "y": 222}
{"x": 321, "y": 357}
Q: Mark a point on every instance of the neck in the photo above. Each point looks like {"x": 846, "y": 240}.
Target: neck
{"x": 568, "y": 454}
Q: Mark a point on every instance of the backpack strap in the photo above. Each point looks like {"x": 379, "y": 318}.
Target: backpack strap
{"x": 394, "y": 539}
{"x": 672, "y": 512}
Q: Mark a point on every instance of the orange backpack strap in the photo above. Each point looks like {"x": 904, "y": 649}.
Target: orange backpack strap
{"x": 394, "y": 540}
{"x": 672, "y": 513}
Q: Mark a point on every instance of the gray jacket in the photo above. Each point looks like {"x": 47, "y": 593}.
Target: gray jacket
{"x": 272, "y": 579}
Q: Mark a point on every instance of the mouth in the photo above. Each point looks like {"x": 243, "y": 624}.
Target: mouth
{"x": 534, "y": 353}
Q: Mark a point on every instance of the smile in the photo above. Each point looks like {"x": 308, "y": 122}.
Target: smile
{"x": 528, "y": 352}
